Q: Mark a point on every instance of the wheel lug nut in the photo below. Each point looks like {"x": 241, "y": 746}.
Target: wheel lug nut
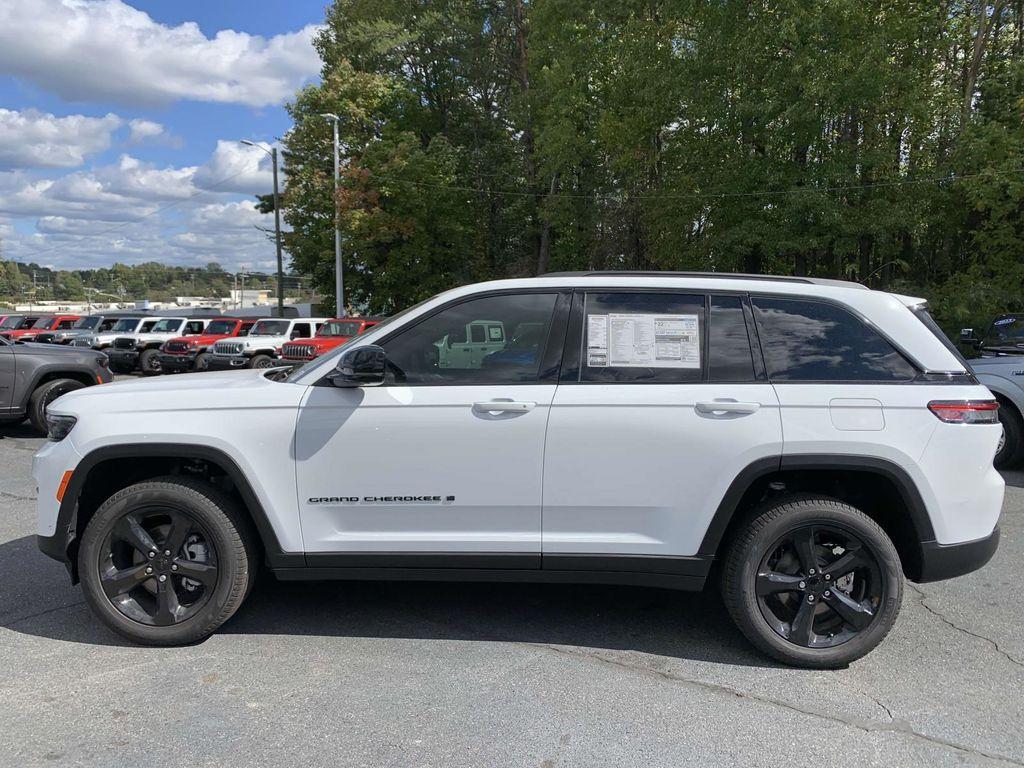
{"x": 174, "y": 567}
{"x": 152, "y": 554}
{"x": 149, "y": 570}
{"x": 167, "y": 553}
{"x": 810, "y": 571}
{"x": 810, "y": 598}
{"x": 828, "y": 577}
{"x": 163, "y": 577}
{"x": 827, "y": 593}
{"x": 803, "y": 585}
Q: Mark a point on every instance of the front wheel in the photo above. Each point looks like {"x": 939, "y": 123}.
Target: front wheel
{"x": 46, "y": 394}
{"x": 262, "y": 361}
{"x": 166, "y": 561}
{"x": 202, "y": 362}
{"x": 149, "y": 362}
{"x": 813, "y": 582}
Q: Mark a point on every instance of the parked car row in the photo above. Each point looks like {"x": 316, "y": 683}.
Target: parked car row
{"x": 152, "y": 345}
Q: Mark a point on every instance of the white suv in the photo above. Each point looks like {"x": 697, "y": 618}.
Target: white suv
{"x": 141, "y": 350}
{"x": 817, "y": 439}
{"x": 261, "y": 347}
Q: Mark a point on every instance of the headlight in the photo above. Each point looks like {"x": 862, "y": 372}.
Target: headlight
{"x": 58, "y": 427}
{"x": 102, "y": 361}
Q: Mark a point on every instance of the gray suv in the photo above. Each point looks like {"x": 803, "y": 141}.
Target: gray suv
{"x": 34, "y": 375}
{"x": 1001, "y": 369}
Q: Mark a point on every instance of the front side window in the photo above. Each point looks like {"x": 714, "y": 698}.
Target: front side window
{"x": 642, "y": 338}
{"x": 125, "y": 325}
{"x": 221, "y": 327}
{"x": 490, "y": 340}
{"x": 301, "y": 331}
{"x": 814, "y": 341}
{"x": 63, "y": 325}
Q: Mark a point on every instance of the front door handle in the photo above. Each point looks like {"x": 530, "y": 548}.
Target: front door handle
{"x": 726, "y": 406}
{"x": 504, "y": 406}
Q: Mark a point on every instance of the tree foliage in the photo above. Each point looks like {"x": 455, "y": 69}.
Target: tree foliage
{"x": 874, "y": 140}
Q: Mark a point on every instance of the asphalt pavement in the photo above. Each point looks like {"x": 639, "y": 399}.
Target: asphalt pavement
{"x": 393, "y": 674}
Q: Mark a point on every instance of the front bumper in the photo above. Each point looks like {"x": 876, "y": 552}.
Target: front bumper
{"x": 945, "y": 561}
{"x": 177, "y": 363}
{"x": 125, "y": 359}
{"x": 227, "y": 362}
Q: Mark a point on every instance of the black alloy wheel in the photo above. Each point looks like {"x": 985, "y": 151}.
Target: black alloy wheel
{"x": 819, "y": 586}
{"x": 159, "y": 566}
{"x": 149, "y": 362}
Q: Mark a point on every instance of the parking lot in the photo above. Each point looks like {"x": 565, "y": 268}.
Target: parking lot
{"x": 496, "y": 675}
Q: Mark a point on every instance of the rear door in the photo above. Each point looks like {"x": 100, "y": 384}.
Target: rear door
{"x": 662, "y": 402}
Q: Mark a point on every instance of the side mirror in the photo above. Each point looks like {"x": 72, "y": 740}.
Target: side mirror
{"x": 360, "y": 367}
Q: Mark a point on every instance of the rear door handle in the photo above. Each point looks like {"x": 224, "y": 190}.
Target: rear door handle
{"x": 504, "y": 406}
{"x": 726, "y": 406}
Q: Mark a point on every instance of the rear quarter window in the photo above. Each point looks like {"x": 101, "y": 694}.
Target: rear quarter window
{"x": 816, "y": 341}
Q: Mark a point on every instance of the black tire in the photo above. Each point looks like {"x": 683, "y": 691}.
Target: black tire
{"x": 46, "y": 394}
{"x": 202, "y": 362}
{"x": 262, "y": 361}
{"x": 227, "y": 544}
{"x": 149, "y": 362}
{"x": 1012, "y": 444}
{"x": 759, "y": 592}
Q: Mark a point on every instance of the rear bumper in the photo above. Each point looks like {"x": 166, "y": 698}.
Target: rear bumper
{"x": 227, "y": 362}
{"x": 945, "y": 561}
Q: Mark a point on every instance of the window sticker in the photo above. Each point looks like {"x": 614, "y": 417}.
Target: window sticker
{"x": 597, "y": 341}
{"x": 643, "y": 341}
{"x": 495, "y": 331}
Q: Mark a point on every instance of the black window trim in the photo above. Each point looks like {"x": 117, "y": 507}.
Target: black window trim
{"x": 553, "y": 343}
{"x": 920, "y": 371}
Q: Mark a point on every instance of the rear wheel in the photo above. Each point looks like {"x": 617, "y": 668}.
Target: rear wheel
{"x": 1011, "y": 443}
{"x": 46, "y": 394}
{"x": 167, "y": 561}
{"x": 149, "y": 362}
{"x": 813, "y": 582}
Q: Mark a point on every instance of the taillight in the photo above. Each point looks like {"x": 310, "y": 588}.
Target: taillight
{"x": 966, "y": 411}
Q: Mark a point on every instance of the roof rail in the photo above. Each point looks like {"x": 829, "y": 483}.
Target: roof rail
{"x": 714, "y": 275}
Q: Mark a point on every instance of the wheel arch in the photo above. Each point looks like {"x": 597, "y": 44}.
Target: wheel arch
{"x": 880, "y": 488}
{"x": 44, "y": 374}
{"x": 104, "y": 471}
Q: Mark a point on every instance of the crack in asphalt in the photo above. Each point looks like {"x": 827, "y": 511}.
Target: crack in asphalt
{"x": 868, "y": 726}
{"x": 21, "y": 619}
{"x": 958, "y": 628}
{"x": 16, "y": 497}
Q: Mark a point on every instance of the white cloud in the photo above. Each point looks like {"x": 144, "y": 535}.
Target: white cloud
{"x": 106, "y": 50}
{"x": 144, "y": 130}
{"x": 32, "y": 139}
{"x": 237, "y": 167}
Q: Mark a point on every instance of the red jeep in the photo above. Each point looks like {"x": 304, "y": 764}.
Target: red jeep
{"x": 192, "y": 353}
{"x": 332, "y": 334}
{"x": 30, "y": 327}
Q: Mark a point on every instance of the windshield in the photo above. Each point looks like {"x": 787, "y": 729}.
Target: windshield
{"x": 43, "y": 323}
{"x": 88, "y": 323}
{"x": 1006, "y": 331}
{"x": 125, "y": 325}
{"x": 270, "y": 328}
{"x": 340, "y": 328}
{"x": 221, "y": 327}
{"x": 169, "y": 325}
{"x": 11, "y": 322}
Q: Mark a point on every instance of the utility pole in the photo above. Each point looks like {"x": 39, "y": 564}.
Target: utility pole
{"x": 339, "y": 274}
{"x": 277, "y": 225}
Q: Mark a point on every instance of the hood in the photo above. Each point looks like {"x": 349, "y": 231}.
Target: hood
{"x": 210, "y": 390}
{"x": 28, "y": 347}
{"x": 324, "y": 342}
{"x": 999, "y": 363}
{"x": 201, "y": 339}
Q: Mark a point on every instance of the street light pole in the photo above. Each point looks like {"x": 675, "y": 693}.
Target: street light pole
{"x": 339, "y": 275}
{"x": 277, "y": 226}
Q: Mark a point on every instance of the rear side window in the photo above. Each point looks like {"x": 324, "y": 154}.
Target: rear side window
{"x": 815, "y": 341}
{"x": 729, "y": 348}
{"x": 644, "y": 338}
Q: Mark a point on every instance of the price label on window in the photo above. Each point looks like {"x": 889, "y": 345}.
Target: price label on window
{"x": 643, "y": 341}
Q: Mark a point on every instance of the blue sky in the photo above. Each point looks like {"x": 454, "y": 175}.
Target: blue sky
{"x": 120, "y": 121}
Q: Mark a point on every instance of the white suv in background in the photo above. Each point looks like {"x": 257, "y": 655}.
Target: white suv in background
{"x": 141, "y": 350}
{"x": 261, "y": 348}
{"x": 819, "y": 440}
{"x": 103, "y": 338}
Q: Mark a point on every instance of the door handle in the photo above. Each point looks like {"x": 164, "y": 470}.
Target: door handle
{"x": 726, "y": 406}
{"x": 503, "y": 406}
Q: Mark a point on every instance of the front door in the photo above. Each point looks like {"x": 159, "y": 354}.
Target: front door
{"x": 653, "y": 420}
{"x": 445, "y": 460}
